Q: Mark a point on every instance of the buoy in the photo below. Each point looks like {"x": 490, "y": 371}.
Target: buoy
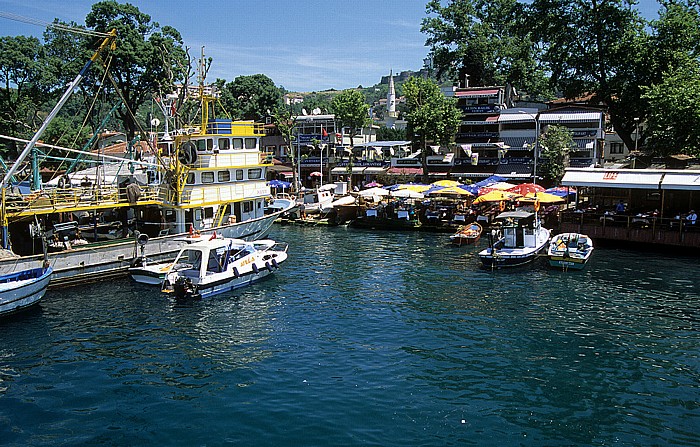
{"x": 255, "y": 268}
{"x": 235, "y": 272}
{"x": 274, "y": 262}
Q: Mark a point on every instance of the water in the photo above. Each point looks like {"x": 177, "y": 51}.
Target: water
{"x": 367, "y": 339}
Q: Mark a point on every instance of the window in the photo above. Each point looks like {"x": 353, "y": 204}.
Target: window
{"x": 617, "y": 148}
{"x": 223, "y": 176}
{"x": 254, "y": 173}
{"x": 247, "y": 207}
{"x": 238, "y": 143}
{"x": 190, "y": 178}
{"x": 251, "y": 143}
{"x": 224, "y": 144}
{"x": 206, "y": 144}
{"x": 207, "y": 177}
{"x": 239, "y": 174}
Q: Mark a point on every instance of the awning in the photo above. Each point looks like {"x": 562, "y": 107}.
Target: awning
{"x": 373, "y": 170}
{"x": 477, "y": 93}
{"x": 514, "y": 118}
{"x": 343, "y": 170}
{"x": 570, "y": 117}
{"x": 405, "y": 171}
{"x": 603, "y": 178}
{"x": 681, "y": 180}
{"x": 516, "y": 143}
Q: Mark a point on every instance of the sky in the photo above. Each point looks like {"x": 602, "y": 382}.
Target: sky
{"x": 302, "y": 45}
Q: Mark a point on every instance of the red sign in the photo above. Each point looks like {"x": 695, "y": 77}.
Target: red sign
{"x": 610, "y": 176}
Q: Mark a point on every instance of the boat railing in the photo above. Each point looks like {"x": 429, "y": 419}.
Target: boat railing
{"x": 80, "y": 198}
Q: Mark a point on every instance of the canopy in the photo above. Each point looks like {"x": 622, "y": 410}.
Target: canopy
{"x": 446, "y": 183}
{"x": 525, "y": 188}
{"x": 561, "y": 191}
{"x": 417, "y": 187}
{"x": 503, "y": 186}
{"x": 544, "y": 197}
{"x": 279, "y": 184}
{"x": 496, "y": 196}
{"x": 407, "y": 194}
{"x": 380, "y": 192}
{"x": 373, "y": 185}
{"x": 451, "y": 190}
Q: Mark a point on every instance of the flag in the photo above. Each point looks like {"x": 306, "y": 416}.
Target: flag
{"x": 213, "y": 236}
{"x": 323, "y": 132}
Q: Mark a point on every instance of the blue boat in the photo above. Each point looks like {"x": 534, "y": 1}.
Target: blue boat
{"x": 20, "y": 290}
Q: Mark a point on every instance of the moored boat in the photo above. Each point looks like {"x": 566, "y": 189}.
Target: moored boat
{"x": 22, "y": 289}
{"x": 467, "y": 234}
{"x": 219, "y": 265}
{"x": 570, "y": 251}
{"x": 521, "y": 240}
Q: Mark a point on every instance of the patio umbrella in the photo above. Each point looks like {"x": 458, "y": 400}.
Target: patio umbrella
{"x": 544, "y": 197}
{"x": 417, "y": 187}
{"x": 278, "y": 184}
{"x": 496, "y": 196}
{"x": 503, "y": 186}
{"x": 373, "y": 185}
{"x": 315, "y": 174}
{"x": 407, "y": 194}
{"x": 526, "y": 188}
{"x": 452, "y": 191}
{"x": 562, "y": 191}
{"x": 378, "y": 192}
{"x": 446, "y": 183}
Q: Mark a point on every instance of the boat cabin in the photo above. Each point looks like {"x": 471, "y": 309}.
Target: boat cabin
{"x": 519, "y": 229}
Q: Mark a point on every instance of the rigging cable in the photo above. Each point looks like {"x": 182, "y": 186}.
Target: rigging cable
{"x": 59, "y": 26}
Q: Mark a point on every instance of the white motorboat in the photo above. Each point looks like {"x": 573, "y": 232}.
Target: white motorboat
{"x": 219, "y": 265}
{"x": 521, "y": 240}
{"x": 20, "y": 290}
{"x": 570, "y": 251}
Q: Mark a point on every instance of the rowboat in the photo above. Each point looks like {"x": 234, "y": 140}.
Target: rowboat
{"x": 467, "y": 234}
{"x": 22, "y": 289}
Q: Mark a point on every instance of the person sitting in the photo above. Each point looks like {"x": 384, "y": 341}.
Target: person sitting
{"x": 691, "y": 218}
{"x": 620, "y": 208}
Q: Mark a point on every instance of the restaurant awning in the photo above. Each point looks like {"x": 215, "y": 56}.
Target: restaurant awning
{"x": 604, "y": 178}
{"x": 344, "y": 170}
{"x": 570, "y": 117}
{"x": 681, "y": 180}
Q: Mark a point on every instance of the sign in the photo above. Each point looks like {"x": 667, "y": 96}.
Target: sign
{"x": 612, "y": 175}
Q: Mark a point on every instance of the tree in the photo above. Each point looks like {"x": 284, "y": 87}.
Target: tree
{"x": 386, "y": 134}
{"x": 555, "y": 145}
{"x": 351, "y": 111}
{"x": 431, "y": 117}
{"x": 20, "y": 91}
{"x": 286, "y": 124}
{"x": 144, "y": 56}
{"x": 250, "y": 97}
{"x": 673, "y": 125}
{"x": 489, "y": 41}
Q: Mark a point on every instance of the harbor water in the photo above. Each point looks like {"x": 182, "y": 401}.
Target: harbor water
{"x": 367, "y": 338}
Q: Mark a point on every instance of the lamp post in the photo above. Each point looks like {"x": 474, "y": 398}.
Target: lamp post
{"x": 636, "y": 132}
{"x": 537, "y": 143}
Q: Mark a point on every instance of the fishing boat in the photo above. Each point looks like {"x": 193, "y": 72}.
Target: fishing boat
{"x": 521, "y": 239}
{"x": 467, "y": 234}
{"x": 218, "y": 265}
{"x": 22, "y": 289}
{"x": 211, "y": 177}
{"x": 570, "y": 251}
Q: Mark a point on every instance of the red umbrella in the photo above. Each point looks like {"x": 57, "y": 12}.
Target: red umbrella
{"x": 526, "y": 188}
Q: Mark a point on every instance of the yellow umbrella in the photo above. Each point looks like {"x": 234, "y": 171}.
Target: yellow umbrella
{"x": 416, "y": 188}
{"x": 544, "y": 197}
{"x": 496, "y": 196}
{"x": 446, "y": 183}
{"x": 451, "y": 190}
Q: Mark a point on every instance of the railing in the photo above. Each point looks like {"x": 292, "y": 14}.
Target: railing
{"x": 74, "y": 199}
{"x": 640, "y": 228}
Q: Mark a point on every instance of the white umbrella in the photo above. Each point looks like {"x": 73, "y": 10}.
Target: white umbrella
{"x": 407, "y": 194}
{"x": 380, "y": 192}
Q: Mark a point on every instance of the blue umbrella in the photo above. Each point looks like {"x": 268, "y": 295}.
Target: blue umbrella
{"x": 279, "y": 184}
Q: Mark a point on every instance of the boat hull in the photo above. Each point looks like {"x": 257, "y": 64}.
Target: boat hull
{"x": 567, "y": 263}
{"x": 514, "y": 257}
{"x": 112, "y": 259}
{"x": 206, "y": 291}
{"x": 23, "y": 289}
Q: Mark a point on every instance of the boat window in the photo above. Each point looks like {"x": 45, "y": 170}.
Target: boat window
{"x": 208, "y": 212}
{"x": 224, "y": 144}
{"x": 215, "y": 263}
{"x": 207, "y": 177}
{"x": 238, "y": 143}
{"x": 190, "y": 259}
{"x": 247, "y": 207}
{"x": 239, "y": 174}
{"x": 205, "y": 144}
{"x": 224, "y": 176}
{"x": 251, "y": 143}
{"x": 190, "y": 178}
{"x": 254, "y": 173}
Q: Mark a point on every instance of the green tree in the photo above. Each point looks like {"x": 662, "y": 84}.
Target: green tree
{"x": 487, "y": 40}
{"x": 386, "y": 134}
{"x": 673, "y": 125}
{"x": 431, "y": 116}
{"x": 250, "y": 97}
{"x": 555, "y": 145}
{"x": 286, "y": 125}
{"x": 20, "y": 90}
{"x": 351, "y": 112}
{"x": 144, "y": 58}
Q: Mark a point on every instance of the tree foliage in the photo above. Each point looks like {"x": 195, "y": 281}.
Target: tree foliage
{"x": 431, "y": 117}
{"x": 250, "y": 97}
{"x": 351, "y": 111}
{"x": 555, "y": 146}
{"x": 286, "y": 124}
{"x": 145, "y": 56}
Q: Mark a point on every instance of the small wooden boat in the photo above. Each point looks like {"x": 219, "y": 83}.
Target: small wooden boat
{"x": 215, "y": 266}
{"x": 570, "y": 251}
{"x": 467, "y": 234}
{"x": 22, "y": 289}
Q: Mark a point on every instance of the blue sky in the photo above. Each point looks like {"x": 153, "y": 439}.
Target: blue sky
{"x": 301, "y": 45}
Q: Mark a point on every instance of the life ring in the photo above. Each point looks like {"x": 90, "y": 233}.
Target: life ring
{"x": 502, "y": 205}
{"x": 187, "y": 153}
{"x": 64, "y": 182}
{"x": 537, "y": 205}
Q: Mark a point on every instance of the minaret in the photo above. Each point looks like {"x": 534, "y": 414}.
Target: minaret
{"x": 392, "y": 114}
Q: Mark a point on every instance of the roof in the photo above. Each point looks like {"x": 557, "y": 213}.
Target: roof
{"x": 476, "y": 93}
{"x": 618, "y": 178}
